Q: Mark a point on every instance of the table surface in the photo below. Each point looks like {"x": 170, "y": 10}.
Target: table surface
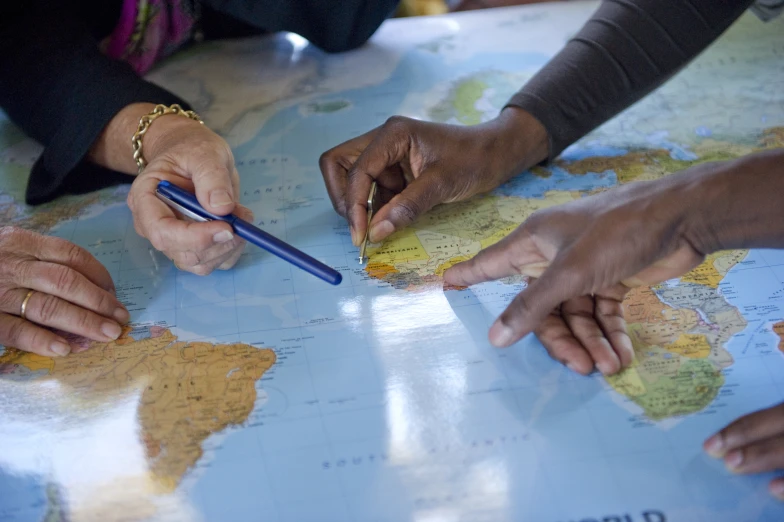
{"x": 261, "y": 393}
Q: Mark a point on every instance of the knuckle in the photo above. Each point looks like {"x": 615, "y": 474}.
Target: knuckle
{"x": 327, "y": 159}
{"x": 65, "y": 280}
{"x": 397, "y": 124}
{"x": 49, "y": 309}
{"x": 84, "y": 321}
{"x": 12, "y": 237}
{"x": 104, "y": 302}
{"x": 14, "y": 333}
{"x": 9, "y": 234}
{"x": 190, "y": 259}
{"x": 223, "y": 151}
{"x": 24, "y": 271}
{"x": 8, "y": 299}
{"x": 406, "y": 210}
{"x": 74, "y": 254}
{"x": 155, "y": 237}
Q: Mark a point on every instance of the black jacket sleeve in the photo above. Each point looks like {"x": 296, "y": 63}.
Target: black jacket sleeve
{"x": 61, "y": 90}
{"x": 626, "y": 50}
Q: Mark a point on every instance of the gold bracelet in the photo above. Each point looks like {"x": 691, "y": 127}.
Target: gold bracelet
{"x": 145, "y": 122}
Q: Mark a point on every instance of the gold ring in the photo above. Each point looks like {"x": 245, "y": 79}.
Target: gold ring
{"x": 24, "y": 304}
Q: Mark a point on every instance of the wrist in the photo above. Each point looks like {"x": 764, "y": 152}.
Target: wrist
{"x": 163, "y": 132}
{"x": 520, "y": 141}
{"x": 113, "y": 148}
{"x": 735, "y": 204}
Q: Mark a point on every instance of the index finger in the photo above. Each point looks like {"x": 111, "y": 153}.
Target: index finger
{"x": 62, "y": 252}
{"x": 335, "y": 164}
{"x": 389, "y": 146}
{"x": 516, "y": 254}
{"x": 565, "y": 278}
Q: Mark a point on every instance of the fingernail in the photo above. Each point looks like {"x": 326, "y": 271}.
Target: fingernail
{"x": 777, "y": 489}
{"x": 223, "y": 236}
{"x": 381, "y": 230}
{"x": 604, "y": 367}
{"x": 501, "y": 335}
{"x": 355, "y": 239}
{"x": 714, "y": 446}
{"x": 60, "y": 348}
{"x": 733, "y": 460}
{"x": 111, "y": 330}
{"x": 122, "y": 315}
{"x": 220, "y": 198}
{"x": 573, "y": 367}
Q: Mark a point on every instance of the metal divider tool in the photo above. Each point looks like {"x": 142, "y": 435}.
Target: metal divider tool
{"x": 370, "y": 209}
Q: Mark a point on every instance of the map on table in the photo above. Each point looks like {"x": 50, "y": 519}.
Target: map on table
{"x": 262, "y": 393}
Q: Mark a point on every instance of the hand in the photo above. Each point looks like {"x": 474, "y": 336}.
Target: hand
{"x": 584, "y": 256}
{"x": 753, "y": 444}
{"x": 72, "y": 292}
{"x": 192, "y": 157}
{"x": 418, "y": 165}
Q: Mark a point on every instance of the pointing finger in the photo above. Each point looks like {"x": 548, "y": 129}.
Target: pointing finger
{"x": 564, "y": 279}
{"x": 335, "y": 164}
{"x": 516, "y": 254}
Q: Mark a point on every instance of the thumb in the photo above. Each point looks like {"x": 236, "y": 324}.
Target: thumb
{"x": 212, "y": 179}
{"x": 390, "y": 146}
{"x": 565, "y": 278}
{"x": 418, "y": 197}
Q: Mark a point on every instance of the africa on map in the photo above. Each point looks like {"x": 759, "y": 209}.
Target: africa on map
{"x": 261, "y": 393}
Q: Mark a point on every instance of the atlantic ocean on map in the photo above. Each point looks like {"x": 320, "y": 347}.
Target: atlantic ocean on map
{"x": 262, "y": 393}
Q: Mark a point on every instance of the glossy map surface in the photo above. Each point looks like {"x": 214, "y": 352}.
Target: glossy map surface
{"x": 262, "y": 393}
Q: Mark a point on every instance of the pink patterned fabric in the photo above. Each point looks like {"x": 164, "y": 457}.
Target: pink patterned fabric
{"x": 149, "y": 30}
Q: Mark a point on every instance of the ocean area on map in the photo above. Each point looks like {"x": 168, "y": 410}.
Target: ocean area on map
{"x": 260, "y": 392}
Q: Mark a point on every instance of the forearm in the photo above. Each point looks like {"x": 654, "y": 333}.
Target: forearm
{"x": 626, "y": 50}
{"x": 736, "y": 204}
{"x": 63, "y": 92}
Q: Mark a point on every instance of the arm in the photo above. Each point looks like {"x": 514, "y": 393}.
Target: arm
{"x": 84, "y": 108}
{"x": 638, "y": 234}
{"x": 58, "y": 87}
{"x": 626, "y": 50}
{"x": 587, "y": 254}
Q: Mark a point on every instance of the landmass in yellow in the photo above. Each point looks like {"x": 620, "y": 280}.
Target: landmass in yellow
{"x": 656, "y": 163}
{"x": 189, "y": 390}
{"x": 419, "y": 255}
{"x": 679, "y": 331}
{"x": 679, "y": 335}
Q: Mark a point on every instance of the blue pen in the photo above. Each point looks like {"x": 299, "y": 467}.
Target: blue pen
{"x": 187, "y": 204}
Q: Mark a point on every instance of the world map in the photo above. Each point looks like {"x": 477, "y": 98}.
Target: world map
{"x": 261, "y": 394}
